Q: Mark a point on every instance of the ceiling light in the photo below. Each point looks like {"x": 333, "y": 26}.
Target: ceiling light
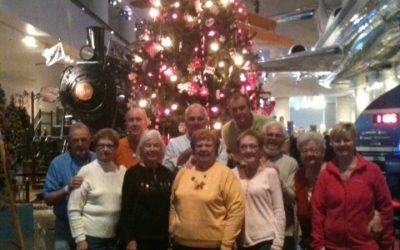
{"x": 31, "y": 30}
{"x": 30, "y": 41}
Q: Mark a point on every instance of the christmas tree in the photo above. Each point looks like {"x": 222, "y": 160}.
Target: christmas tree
{"x": 2, "y": 98}
{"x": 14, "y": 133}
{"x": 191, "y": 51}
{"x": 3, "y": 196}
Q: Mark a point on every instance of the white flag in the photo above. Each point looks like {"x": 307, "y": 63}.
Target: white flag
{"x": 54, "y": 54}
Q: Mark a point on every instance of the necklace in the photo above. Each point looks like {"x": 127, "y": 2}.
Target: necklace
{"x": 199, "y": 183}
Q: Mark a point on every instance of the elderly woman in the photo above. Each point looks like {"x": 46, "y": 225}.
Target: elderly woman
{"x": 145, "y": 198}
{"x": 344, "y": 198}
{"x": 206, "y": 201}
{"x": 311, "y": 146}
{"x": 264, "y": 225}
{"x": 94, "y": 207}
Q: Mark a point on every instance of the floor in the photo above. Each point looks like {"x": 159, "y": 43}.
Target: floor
{"x": 43, "y": 227}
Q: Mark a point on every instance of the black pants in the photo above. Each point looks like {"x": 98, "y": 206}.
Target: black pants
{"x": 180, "y": 247}
{"x": 152, "y": 244}
{"x": 265, "y": 245}
{"x": 289, "y": 244}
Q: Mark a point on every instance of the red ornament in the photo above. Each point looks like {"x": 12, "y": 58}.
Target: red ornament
{"x": 158, "y": 110}
{"x": 193, "y": 88}
{"x": 152, "y": 48}
{"x": 269, "y": 107}
{"x": 196, "y": 63}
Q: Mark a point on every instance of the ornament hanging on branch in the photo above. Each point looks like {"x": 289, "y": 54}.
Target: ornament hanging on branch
{"x": 152, "y": 48}
{"x": 263, "y": 102}
{"x": 203, "y": 92}
{"x": 193, "y": 88}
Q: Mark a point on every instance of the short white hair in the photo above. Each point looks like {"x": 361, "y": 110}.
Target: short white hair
{"x": 148, "y": 135}
{"x": 311, "y": 136}
{"x": 279, "y": 124}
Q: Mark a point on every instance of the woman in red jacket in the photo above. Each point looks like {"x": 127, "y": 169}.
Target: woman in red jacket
{"x": 311, "y": 146}
{"x": 344, "y": 198}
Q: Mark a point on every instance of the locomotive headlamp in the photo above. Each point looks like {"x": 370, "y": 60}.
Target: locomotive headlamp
{"x": 88, "y": 91}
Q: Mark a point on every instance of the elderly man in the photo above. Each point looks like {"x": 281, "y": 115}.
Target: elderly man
{"x": 178, "y": 150}
{"x": 61, "y": 179}
{"x": 136, "y": 122}
{"x": 242, "y": 119}
{"x": 274, "y": 135}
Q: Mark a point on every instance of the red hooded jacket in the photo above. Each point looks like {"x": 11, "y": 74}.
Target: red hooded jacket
{"x": 342, "y": 210}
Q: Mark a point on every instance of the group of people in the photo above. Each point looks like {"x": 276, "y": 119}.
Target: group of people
{"x": 137, "y": 193}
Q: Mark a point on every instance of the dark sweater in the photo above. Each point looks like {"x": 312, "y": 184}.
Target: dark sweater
{"x": 145, "y": 203}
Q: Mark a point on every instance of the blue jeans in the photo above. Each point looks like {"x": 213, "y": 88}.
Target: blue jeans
{"x": 95, "y": 243}
{"x": 62, "y": 236}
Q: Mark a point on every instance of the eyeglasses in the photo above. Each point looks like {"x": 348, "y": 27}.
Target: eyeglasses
{"x": 103, "y": 146}
{"x": 248, "y": 146}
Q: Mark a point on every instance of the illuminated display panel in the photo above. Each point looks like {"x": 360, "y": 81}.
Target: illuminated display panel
{"x": 385, "y": 118}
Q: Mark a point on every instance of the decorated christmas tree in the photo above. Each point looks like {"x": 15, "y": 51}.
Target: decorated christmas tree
{"x": 14, "y": 133}
{"x": 191, "y": 51}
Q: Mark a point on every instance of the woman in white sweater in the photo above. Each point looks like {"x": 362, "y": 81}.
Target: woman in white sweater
{"x": 264, "y": 224}
{"x": 94, "y": 207}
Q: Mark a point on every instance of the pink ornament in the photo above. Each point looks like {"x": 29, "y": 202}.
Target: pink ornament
{"x": 158, "y": 110}
{"x": 165, "y": 139}
{"x": 209, "y": 22}
{"x": 203, "y": 92}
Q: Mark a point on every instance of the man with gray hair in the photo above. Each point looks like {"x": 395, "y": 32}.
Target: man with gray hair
{"x": 178, "y": 150}
{"x": 61, "y": 179}
{"x": 274, "y": 135}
